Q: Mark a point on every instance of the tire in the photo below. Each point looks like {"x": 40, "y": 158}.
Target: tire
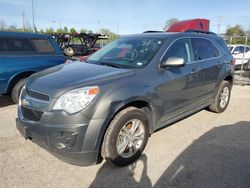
{"x": 246, "y": 66}
{"x": 218, "y": 105}
{"x": 15, "y": 93}
{"x": 69, "y": 51}
{"x": 113, "y": 138}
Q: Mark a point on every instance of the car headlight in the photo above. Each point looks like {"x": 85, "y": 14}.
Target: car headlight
{"x": 76, "y": 100}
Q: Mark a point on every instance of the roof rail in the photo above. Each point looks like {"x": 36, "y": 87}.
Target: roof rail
{"x": 153, "y": 31}
{"x": 199, "y": 31}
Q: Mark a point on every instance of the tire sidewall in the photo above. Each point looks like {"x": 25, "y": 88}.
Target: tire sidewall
{"x": 16, "y": 90}
{"x": 223, "y": 85}
{"x": 114, "y": 156}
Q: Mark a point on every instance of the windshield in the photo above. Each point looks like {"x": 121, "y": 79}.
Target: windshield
{"x": 127, "y": 52}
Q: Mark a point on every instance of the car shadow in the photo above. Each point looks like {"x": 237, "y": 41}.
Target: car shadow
{"x": 110, "y": 176}
{"x": 219, "y": 158}
{"x": 5, "y": 101}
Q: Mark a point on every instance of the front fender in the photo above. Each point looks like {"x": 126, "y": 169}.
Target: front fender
{"x": 111, "y": 102}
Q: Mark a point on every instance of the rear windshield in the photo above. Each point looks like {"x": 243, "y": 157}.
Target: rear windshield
{"x": 15, "y": 45}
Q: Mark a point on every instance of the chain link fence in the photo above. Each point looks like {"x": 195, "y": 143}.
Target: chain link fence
{"x": 240, "y": 48}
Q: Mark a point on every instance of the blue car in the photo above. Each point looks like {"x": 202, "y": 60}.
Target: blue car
{"x": 21, "y": 55}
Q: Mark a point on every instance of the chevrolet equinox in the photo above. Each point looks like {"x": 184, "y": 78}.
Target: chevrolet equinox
{"x": 109, "y": 105}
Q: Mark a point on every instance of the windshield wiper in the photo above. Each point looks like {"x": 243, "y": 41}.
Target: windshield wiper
{"x": 110, "y": 64}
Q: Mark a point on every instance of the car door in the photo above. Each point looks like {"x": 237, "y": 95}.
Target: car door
{"x": 210, "y": 61}
{"x": 15, "y": 56}
{"x": 179, "y": 87}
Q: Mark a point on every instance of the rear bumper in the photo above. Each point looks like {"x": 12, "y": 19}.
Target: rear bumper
{"x": 64, "y": 143}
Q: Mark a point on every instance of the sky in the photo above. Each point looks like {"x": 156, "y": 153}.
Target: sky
{"x": 124, "y": 16}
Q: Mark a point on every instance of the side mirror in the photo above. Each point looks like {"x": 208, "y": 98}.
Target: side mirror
{"x": 173, "y": 62}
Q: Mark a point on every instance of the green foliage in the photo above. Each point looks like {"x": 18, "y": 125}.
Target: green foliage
{"x": 236, "y": 30}
{"x": 59, "y": 31}
{"x": 169, "y": 22}
{"x": 41, "y": 31}
{"x": 65, "y": 30}
{"x": 85, "y": 31}
{"x": 49, "y": 30}
{"x": 111, "y": 35}
{"x": 237, "y": 34}
{"x": 72, "y": 30}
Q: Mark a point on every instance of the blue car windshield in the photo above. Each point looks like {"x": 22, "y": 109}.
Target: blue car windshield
{"x": 127, "y": 52}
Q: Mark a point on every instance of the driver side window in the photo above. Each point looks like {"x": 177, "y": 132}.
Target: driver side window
{"x": 179, "y": 49}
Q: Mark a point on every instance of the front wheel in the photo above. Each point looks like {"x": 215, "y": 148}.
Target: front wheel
{"x": 126, "y": 137}
{"x": 15, "y": 93}
{"x": 222, "y": 98}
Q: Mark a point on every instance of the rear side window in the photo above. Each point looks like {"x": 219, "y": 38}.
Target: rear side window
{"x": 43, "y": 46}
{"x": 204, "y": 49}
{"x": 181, "y": 49}
{"x": 223, "y": 45}
{"x": 15, "y": 45}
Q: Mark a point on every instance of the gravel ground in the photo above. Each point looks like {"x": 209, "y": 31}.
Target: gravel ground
{"x": 203, "y": 150}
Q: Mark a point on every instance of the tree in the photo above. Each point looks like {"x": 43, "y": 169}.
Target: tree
{"x": 83, "y": 30}
{"x": 111, "y": 35}
{"x": 59, "y": 31}
{"x": 49, "y": 30}
{"x": 65, "y": 30}
{"x": 169, "y": 22}
{"x": 72, "y": 30}
{"x": 12, "y": 28}
{"x": 237, "y": 30}
{"x": 41, "y": 31}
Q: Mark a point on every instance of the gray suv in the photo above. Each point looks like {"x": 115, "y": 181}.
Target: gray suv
{"x": 108, "y": 106}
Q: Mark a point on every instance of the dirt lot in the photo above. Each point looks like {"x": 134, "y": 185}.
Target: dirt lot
{"x": 204, "y": 150}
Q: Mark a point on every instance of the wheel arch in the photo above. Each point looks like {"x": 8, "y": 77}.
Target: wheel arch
{"x": 229, "y": 78}
{"x": 142, "y": 104}
{"x": 14, "y": 79}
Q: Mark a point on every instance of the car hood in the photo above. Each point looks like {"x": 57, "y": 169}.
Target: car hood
{"x": 62, "y": 78}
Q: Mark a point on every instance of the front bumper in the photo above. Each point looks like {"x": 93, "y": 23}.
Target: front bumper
{"x": 72, "y": 138}
{"x": 64, "y": 143}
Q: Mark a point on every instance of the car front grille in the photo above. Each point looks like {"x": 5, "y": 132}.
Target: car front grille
{"x": 31, "y": 114}
{"x": 37, "y": 95}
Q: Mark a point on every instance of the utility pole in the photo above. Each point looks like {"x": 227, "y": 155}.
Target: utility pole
{"x": 33, "y": 16}
{"x": 23, "y": 17}
{"x": 99, "y": 25}
{"x": 117, "y": 28}
{"x": 219, "y": 23}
